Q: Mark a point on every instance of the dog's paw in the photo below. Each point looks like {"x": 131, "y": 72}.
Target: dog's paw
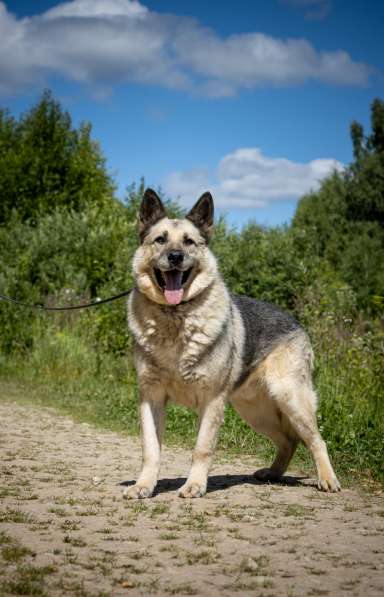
{"x": 330, "y": 484}
{"x": 267, "y": 474}
{"x": 137, "y": 492}
{"x": 192, "y": 490}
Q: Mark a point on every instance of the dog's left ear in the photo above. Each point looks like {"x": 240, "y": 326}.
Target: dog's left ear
{"x": 151, "y": 211}
{"x": 201, "y": 215}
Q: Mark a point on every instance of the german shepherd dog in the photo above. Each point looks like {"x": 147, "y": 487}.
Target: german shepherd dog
{"x": 198, "y": 345}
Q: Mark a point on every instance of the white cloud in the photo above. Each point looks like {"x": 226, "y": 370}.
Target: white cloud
{"x": 247, "y": 178}
{"x": 254, "y": 59}
{"x": 98, "y": 8}
{"x": 106, "y": 42}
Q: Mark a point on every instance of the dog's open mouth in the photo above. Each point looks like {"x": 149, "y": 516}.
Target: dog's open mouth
{"x": 171, "y": 283}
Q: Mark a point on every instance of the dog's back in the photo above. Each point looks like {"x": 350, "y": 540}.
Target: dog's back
{"x": 264, "y": 325}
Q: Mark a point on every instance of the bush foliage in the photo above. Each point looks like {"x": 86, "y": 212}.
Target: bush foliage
{"x": 64, "y": 238}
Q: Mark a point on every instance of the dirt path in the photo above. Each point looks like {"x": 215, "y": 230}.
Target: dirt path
{"x": 66, "y": 530}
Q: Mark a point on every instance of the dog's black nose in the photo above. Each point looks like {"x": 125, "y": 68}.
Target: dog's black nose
{"x": 175, "y": 257}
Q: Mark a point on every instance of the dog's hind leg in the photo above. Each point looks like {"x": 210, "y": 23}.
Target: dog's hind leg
{"x": 287, "y": 376}
{"x": 255, "y": 405}
{"x": 305, "y": 425}
{"x": 211, "y": 417}
{"x": 286, "y": 447}
{"x": 152, "y": 416}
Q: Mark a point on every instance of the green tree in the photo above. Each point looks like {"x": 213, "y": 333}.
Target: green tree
{"x": 46, "y": 163}
{"x": 365, "y": 177}
{"x": 343, "y": 222}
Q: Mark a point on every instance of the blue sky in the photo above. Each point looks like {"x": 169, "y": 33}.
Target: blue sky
{"x": 252, "y": 100}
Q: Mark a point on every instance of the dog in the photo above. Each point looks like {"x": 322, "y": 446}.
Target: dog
{"x": 198, "y": 345}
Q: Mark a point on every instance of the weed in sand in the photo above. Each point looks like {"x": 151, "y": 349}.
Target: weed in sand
{"x": 5, "y": 538}
{"x": 298, "y": 511}
{"x": 70, "y": 557}
{"x": 138, "y": 555}
{"x": 196, "y": 521}
{"x": 28, "y": 580}
{"x": 204, "y": 541}
{"x": 59, "y": 512}
{"x": 235, "y": 533}
{"x": 61, "y": 500}
{"x": 182, "y": 589}
{"x": 350, "y": 508}
{"x": 105, "y": 531}
{"x": 138, "y": 507}
{"x": 9, "y": 492}
{"x": 15, "y": 552}
{"x": 18, "y": 516}
{"x": 40, "y": 525}
{"x": 135, "y": 569}
{"x": 254, "y": 566}
{"x": 28, "y": 497}
{"x": 350, "y": 584}
{"x": 168, "y": 536}
{"x": 89, "y": 512}
{"x": 74, "y": 587}
{"x": 74, "y": 541}
{"x": 70, "y": 525}
{"x": 244, "y": 585}
{"x": 201, "y": 557}
{"x": 172, "y": 526}
{"x": 315, "y": 571}
{"x": 160, "y": 508}
{"x": 170, "y": 547}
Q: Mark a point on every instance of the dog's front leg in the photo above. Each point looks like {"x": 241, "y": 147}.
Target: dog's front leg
{"x": 152, "y": 416}
{"x": 211, "y": 417}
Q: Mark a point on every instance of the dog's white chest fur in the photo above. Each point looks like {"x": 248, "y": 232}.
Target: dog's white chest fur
{"x": 176, "y": 346}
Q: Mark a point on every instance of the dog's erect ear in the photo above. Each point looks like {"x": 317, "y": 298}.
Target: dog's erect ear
{"x": 201, "y": 215}
{"x": 151, "y": 211}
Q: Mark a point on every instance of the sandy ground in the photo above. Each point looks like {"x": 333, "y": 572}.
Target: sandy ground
{"x": 65, "y": 528}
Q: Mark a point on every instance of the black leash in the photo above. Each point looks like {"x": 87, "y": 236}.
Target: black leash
{"x": 67, "y": 308}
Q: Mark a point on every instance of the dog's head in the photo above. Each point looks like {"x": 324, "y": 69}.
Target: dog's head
{"x": 173, "y": 263}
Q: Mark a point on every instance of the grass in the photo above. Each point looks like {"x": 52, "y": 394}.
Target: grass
{"x": 159, "y": 509}
{"x": 254, "y": 566}
{"x": 28, "y": 580}
{"x": 201, "y": 557}
{"x": 14, "y": 515}
{"x": 298, "y": 511}
{"x": 15, "y": 552}
{"x": 181, "y": 589}
{"x": 5, "y": 539}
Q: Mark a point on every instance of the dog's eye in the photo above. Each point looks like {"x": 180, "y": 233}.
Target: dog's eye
{"x": 160, "y": 240}
{"x": 189, "y": 241}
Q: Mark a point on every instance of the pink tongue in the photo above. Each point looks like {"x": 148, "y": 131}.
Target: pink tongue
{"x": 173, "y": 297}
{"x": 173, "y": 292}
